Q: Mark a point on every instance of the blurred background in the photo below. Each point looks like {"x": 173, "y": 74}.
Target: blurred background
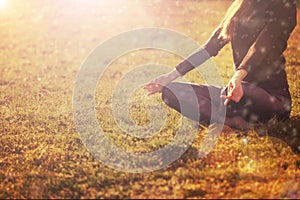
{"x": 42, "y": 46}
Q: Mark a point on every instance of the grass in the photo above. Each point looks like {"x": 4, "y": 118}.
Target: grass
{"x": 41, "y": 155}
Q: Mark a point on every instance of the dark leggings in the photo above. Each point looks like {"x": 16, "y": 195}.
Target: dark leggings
{"x": 203, "y": 103}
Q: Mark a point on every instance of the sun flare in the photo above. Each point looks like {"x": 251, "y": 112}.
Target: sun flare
{"x": 3, "y": 3}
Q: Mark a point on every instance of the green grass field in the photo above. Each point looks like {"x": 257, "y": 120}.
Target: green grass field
{"x": 42, "y": 46}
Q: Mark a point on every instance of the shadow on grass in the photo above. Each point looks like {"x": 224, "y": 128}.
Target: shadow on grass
{"x": 288, "y": 131}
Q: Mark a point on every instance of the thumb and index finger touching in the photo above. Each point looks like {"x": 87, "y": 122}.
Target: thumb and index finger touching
{"x": 153, "y": 87}
{"x": 234, "y": 93}
{"x": 228, "y": 96}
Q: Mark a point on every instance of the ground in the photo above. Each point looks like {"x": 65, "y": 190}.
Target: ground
{"x": 43, "y": 45}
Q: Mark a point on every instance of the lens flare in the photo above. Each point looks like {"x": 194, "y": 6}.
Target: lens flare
{"x": 3, "y": 3}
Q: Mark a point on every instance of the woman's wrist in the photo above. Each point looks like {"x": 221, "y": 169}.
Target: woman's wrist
{"x": 174, "y": 74}
{"x": 240, "y": 74}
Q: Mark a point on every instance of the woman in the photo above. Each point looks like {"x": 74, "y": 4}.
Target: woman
{"x": 258, "y": 31}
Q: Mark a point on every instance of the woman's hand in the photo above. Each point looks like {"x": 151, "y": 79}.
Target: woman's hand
{"x": 158, "y": 83}
{"x": 234, "y": 88}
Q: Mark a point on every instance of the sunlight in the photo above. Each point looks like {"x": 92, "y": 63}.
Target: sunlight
{"x": 100, "y": 7}
{"x": 109, "y": 6}
{"x": 3, "y": 3}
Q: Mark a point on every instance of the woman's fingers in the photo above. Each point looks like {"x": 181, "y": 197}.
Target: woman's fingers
{"x": 226, "y": 102}
{"x": 227, "y": 98}
{"x": 234, "y": 94}
{"x": 158, "y": 83}
{"x": 234, "y": 90}
{"x": 153, "y": 88}
{"x": 230, "y": 98}
{"x": 151, "y": 85}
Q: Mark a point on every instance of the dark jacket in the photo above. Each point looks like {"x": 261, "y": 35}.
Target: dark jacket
{"x": 258, "y": 43}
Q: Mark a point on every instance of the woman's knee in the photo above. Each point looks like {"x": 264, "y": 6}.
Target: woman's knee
{"x": 168, "y": 94}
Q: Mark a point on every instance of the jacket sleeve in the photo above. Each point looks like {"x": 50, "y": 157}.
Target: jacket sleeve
{"x": 209, "y": 49}
{"x": 272, "y": 40}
